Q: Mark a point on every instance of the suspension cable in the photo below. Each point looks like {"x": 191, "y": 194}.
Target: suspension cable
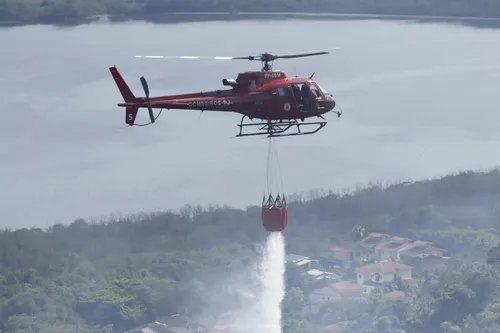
{"x": 273, "y": 161}
{"x": 268, "y": 168}
{"x": 282, "y": 188}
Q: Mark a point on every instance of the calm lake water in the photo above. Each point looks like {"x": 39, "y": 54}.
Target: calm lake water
{"x": 419, "y": 101}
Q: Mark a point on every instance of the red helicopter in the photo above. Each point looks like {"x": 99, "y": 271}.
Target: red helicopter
{"x": 269, "y": 95}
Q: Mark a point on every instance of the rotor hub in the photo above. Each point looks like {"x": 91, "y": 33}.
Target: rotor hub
{"x": 267, "y": 57}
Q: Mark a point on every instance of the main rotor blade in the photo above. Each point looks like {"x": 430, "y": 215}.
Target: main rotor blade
{"x": 261, "y": 57}
{"x": 181, "y": 57}
{"x": 248, "y": 58}
{"x": 305, "y": 54}
{"x": 289, "y": 56}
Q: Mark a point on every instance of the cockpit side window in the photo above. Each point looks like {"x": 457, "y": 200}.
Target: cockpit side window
{"x": 284, "y": 93}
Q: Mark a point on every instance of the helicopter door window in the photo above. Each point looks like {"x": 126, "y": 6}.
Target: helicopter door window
{"x": 284, "y": 93}
{"x": 252, "y": 85}
{"x": 300, "y": 91}
{"x": 296, "y": 92}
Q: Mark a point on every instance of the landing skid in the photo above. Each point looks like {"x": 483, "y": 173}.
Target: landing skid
{"x": 277, "y": 128}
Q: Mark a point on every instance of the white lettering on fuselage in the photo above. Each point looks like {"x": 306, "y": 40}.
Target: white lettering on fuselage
{"x": 209, "y": 103}
{"x": 272, "y": 75}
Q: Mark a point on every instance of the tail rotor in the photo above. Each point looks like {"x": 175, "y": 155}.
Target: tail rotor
{"x": 146, "y": 92}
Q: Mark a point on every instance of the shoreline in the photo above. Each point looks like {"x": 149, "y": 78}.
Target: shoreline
{"x": 191, "y": 17}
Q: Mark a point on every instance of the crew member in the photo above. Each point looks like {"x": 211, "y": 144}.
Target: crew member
{"x": 305, "y": 96}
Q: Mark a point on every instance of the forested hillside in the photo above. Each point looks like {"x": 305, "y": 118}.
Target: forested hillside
{"x": 75, "y": 11}
{"x": 117, "y": 274}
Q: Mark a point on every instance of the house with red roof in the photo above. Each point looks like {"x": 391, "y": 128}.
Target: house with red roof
{"x": 389, "y": 249}
{"x": 360, "y": 251}
{"x": 383, "y": 272}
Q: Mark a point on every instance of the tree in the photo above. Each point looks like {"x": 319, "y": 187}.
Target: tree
{"x": 293, "y": 303}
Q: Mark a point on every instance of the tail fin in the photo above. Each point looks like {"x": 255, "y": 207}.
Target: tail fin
{"x": 131, "y": 114}
{"x": 128, "y": 96}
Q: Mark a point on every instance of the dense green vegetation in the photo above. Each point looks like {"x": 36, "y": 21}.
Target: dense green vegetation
{"x": 117, "y": 274}
{"x": 464, "y": 300}
{"x": 76, "y": 11}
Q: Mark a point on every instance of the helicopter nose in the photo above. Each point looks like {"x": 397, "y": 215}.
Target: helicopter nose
{"x": 331, "y": 103}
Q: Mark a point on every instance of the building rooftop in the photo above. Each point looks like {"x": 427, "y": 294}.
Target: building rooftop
{"x": 383, "y": 267}
{"x": 421, "y": 247}
{"x": 372, "y": 240}
{"x": 396, "y": 295}
{"x": 173, "y": 320}
{"x": 345, "y": 287}
{"x": 303, "y": 262}
{"x": 315, "y": 272}
{"x": 393, "y": 243}
{"x": 293, "y": 258}
{"x": 339, "y": 249}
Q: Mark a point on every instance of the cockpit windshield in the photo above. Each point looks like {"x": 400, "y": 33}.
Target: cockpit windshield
{"x": 326, "y": 93}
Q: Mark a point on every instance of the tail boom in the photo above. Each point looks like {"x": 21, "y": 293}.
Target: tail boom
{"x": 192, "y": 101}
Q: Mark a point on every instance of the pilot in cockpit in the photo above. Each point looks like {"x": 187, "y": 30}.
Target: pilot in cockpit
{"x": 296, "y": 93}
{"x": 305, "y": 96}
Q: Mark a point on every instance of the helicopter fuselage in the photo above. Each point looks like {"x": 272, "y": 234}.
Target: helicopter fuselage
{"x": 262, "y": 95}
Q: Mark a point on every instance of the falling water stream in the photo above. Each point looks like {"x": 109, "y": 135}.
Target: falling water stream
{"x": 273, "y": 283}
